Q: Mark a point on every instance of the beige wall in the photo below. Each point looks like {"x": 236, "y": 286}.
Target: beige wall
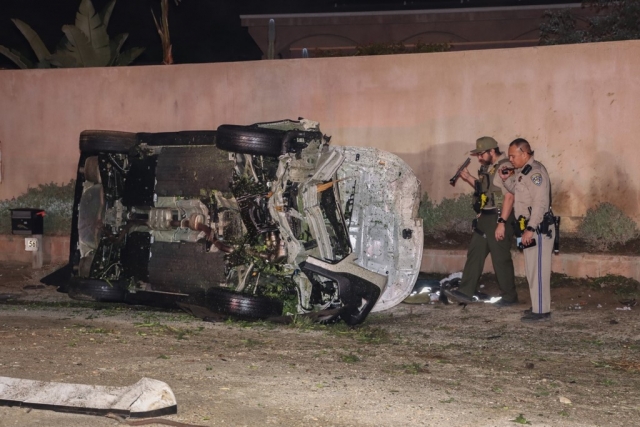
{"x": 578, "y": 105}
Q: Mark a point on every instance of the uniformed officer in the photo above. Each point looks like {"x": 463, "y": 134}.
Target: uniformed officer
{"x": 493, "y": 232}
{"x": 532, "y": 188}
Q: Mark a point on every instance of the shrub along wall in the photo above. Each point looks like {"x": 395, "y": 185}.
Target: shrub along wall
{"x": 56, "y": 200}
{"x": 577, "y": 104}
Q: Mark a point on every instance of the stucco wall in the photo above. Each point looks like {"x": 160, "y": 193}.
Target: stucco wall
{"x": 577, "y": 105}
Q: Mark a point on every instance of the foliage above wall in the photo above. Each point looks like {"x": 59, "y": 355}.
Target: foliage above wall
{"x": 384, "y": 49}
{"x": 614, "y": 20}
{"x": 85, "y": 44}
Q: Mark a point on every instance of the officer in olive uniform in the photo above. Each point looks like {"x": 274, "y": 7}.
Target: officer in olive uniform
{"x": 532, "y": 188}
{"x": 493, "y": 232}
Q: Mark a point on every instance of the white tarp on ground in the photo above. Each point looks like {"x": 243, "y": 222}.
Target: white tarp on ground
{"x": 147, "y": 397}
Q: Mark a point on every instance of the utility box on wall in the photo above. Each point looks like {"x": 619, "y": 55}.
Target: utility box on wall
{"x": 27, "y": 221}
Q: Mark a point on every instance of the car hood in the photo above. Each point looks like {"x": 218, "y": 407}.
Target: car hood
{"x": 384, "y": 227}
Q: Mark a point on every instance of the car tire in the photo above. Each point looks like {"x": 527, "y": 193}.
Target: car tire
{"x": 242, "y": 305}
{"x": 250, "y": 140}
{"x": 107, "y": 141}
{"x": 96, "y": 290}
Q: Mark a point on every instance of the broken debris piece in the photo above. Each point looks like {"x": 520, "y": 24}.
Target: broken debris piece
{"x": 146, "y": 398}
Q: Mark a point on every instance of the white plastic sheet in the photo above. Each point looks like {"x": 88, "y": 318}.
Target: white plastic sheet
{"x": 147, "y": 397}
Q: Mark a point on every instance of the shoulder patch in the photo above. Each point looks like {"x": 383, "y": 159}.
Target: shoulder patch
{"x": 537, "y": 179}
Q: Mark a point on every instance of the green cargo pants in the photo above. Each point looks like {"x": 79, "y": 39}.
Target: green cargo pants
{"x": 500, "y": 251}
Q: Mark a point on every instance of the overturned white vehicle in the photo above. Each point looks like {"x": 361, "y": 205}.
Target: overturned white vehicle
{"x": 240, "y": 220}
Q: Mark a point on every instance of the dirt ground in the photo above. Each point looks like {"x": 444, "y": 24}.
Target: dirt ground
{"x": 413, "y": 365}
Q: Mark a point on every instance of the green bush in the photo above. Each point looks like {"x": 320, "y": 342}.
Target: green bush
{"x": 431, "y": 217}
{"x": 398, "y": 48}
{"x": 454, "y": 215}
{"x": 606, "y": 225}
{"x": 55, "y": 199}
{"x": 384, "y": 49}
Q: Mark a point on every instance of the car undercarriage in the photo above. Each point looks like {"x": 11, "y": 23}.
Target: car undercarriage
{"x": 252, "y": 221}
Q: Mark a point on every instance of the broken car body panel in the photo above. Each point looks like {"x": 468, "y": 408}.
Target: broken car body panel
{"x": 384, "y": 228}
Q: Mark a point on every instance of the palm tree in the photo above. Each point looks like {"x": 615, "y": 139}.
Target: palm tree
{"x": 85, "y": 44}
{"x": 163, "y": 31}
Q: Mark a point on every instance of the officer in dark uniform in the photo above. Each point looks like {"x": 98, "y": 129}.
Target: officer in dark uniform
{"x": 493, "y": 232}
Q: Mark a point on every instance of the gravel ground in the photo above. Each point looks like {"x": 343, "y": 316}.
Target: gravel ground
{"x": 431, "y": 365}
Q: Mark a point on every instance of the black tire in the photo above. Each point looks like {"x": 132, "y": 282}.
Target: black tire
{"x": 250, "y": 140}
{"x": 96, "y": 290}
{"x": 242, "y": 305}
{"x": 107, "y": 141}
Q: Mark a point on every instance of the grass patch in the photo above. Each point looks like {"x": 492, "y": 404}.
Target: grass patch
{"x": 157, "y": 328}
{"x": 600, "y": 364}
{"x": 305, "y": 323}
{"x": 87, "y": 329}
{"x": 349, "y": 358}
{"x": 370, "y": 335}
{"x": 413, "y": 368}
{"x": 622, "y": 286}
{"x": 363, "y": 334}
{"x": 520, "y": 419}
{"x": 541, "y": 392}
{"x": 559, "y": 280}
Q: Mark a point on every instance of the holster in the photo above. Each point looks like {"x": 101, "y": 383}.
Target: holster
{"x": 476, "y": 196}
{"x": 474, "y": 227}
{"x": 548, "y": 221}
{"x": 556, "y": 240}
{"x": 519, "y": 225}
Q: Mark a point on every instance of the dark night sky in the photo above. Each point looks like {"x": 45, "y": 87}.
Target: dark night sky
{"x": 201, "y": 30}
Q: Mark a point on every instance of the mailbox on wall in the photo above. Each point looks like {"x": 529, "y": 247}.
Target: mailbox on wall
{"x": 27, "y": 221}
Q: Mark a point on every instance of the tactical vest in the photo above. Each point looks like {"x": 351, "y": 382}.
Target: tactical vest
{"x": 489, "y": 195}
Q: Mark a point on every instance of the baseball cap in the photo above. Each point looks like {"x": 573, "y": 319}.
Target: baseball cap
{"x": 483, "y": 144}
